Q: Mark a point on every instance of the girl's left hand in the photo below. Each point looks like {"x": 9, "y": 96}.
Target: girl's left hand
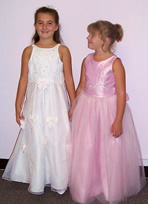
{"x": 116, "y": 129}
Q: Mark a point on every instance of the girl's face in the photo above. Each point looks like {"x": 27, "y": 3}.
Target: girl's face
{"x": 45, "y": 25}
{"x": 94, "y": 40}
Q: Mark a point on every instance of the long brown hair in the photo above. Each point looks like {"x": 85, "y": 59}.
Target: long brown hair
{"x": 55, "y": 15}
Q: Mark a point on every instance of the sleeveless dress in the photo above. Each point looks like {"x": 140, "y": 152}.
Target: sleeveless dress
{"x": 103, "y": 167}
{"x": 40, "y": 156}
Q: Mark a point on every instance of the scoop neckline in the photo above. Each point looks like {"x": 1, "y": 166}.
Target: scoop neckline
{"x": 101, "y": 60}
{"x": 46, "y": 47}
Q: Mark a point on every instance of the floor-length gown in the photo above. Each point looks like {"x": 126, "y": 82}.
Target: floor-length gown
{"x": 103, "y": 167}
{"x": 40, "y": 156}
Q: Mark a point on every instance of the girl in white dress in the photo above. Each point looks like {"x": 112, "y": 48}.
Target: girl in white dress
{"x": 41, "y": 153}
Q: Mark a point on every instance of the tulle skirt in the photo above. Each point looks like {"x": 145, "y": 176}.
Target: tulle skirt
{"x": 103, "y": 167}
{"x": 41, "y": 154}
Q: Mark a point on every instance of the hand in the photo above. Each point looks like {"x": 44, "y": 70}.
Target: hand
{"x": 116, "y": 129}
{"x": 19, "y": 116}
{"x": 70, "y": 114}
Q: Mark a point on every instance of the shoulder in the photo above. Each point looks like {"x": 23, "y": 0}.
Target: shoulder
{"x": 63, "y": 49}
{"x": 90, "y": 55}
{"x": 117, "y": 64}
{"x": 27, "y": 51}
{"x": 117, "y": 61}
{"x": 83, "y": 61}
{"x": 64, "y": 53}
{"x": 88, "y": 58}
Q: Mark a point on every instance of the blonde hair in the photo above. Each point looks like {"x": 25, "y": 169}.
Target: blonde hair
{"x": 106, "y": 29}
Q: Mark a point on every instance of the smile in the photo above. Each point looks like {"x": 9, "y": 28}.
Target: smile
{"x": 44, "y": 31}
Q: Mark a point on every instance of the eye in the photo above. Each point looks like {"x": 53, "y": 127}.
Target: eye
{"x": 91, "y": 34}
{"x": 49, "y": 22}
{"x": 39, "y": 22}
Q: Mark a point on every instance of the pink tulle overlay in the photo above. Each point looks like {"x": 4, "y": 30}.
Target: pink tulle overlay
{"x": 103, "y": 167}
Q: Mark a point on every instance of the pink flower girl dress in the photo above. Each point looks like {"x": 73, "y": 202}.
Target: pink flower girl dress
{"x": 103, "y": 167}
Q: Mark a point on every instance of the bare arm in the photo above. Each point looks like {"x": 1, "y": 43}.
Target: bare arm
{"x": 22, "y": 83}
{"x": 82, "y": 80}
{"x": 66, "y": 59}
{"x": 119, "y": 74}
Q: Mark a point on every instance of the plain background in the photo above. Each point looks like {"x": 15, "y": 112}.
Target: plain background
{"x": 16, "y": 30}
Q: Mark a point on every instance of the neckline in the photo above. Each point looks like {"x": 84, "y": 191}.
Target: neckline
{"x": 46, "y": 47}
{"x": 101, "y": 60}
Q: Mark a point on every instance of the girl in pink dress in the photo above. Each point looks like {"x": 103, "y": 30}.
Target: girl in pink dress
{"x": 106, "y": 157}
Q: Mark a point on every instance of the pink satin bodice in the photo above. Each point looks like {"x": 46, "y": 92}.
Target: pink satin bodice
{"x": 100, "y": 80}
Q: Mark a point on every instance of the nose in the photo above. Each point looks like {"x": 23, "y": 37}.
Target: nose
{"x": 44, "y": 26}
{"x": 88, "y": 37}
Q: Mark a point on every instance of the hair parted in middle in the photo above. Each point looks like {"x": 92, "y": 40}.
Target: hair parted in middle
{"x": 55, "y": 15}
{"x": 106, "y": 29}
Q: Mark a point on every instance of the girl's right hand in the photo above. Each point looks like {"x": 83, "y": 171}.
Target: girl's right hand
{"x": 19, "y": 116}
{"x": 70, "y": 114}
